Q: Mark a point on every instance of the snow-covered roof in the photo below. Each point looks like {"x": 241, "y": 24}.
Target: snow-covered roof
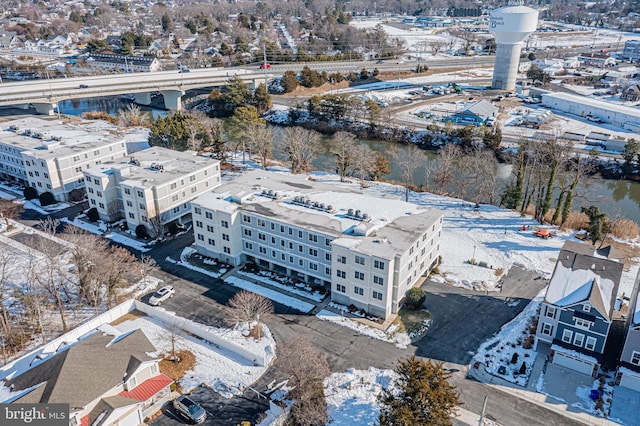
{"x": 583, "y": 274}
{"x": 374, "y": 224}
{"x": 596, "y": 103}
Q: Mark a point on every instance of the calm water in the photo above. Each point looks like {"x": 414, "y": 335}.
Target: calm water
{"x": 617, "y": 198}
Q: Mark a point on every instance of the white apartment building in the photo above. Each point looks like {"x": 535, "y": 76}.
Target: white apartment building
{"x": 154, "y": 185}
{"x": 50, "y": 155}
{"x": 631, "y": 50}
{"x": 369, "y": 250}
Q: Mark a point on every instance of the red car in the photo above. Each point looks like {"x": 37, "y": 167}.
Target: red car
{"x": 265, "y": 66}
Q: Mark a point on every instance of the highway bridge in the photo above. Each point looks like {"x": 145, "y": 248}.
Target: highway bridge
{"x": 43, "y": 95}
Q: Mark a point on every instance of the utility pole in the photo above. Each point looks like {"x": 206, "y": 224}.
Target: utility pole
{"x": 264, "y": 58}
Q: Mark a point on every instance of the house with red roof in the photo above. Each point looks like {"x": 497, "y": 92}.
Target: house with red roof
{"x": 105, "y": 379}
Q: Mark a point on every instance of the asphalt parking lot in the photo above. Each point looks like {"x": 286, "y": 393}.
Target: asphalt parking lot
{"x": 462, "y": 319}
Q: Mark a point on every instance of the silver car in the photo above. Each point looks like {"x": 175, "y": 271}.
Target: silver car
{"x": 189, "y": 409}
{"x": 161, "y": 295}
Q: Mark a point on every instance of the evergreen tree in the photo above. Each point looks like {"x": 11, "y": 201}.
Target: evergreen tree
{"x": 171, "y": 131}
{"x": 423, "y": 396}
{"x": 262, "y": 99}
{"x": 235, "y": 94}
{"x": 167, "y": 22}
{"x": 289, "y": 81}
{"x": 243, "y": 120}
{"x": 631, "y": 150}
{"x": 598, "y": 224}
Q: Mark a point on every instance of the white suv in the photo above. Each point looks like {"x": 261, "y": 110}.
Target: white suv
{"x": 161, "y": 295}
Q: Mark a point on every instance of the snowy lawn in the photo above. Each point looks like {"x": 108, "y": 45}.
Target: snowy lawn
{"x": 352, "y": 397}
{"x": 301, "y": 289}
{"x": 499, "y": 352}
{"x": 219, "y": 369}
{"x": 289, "y": 301}
{"x": 596, "y": 407}
{"x": 392, "y": 335}
{"x": 213, "y": 269}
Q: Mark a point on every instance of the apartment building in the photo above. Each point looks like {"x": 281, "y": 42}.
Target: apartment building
{"x": 50, "y": 155}
{"x": 151, "y": 187}
{"x": 631, "y": 50}
{"x": 368, "y": 250}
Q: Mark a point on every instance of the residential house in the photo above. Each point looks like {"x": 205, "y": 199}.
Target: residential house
{"x": 628, "y": 374}
{"x": 105, "y": 379}
{"x": 631, "y": 50}
{"x": 631, "y": 93}
{"x": 597, "y": 59}
{"x": 577, "y": 310}
{"x": 152, "y": 187}
{"x": 474, "y": 113}
{"x": 50, "y": 155}
{"x": 368, "y": 250}
{"x": 7, "y": 39}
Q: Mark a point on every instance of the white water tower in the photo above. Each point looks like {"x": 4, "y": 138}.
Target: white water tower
{"x": 510, "y": 25}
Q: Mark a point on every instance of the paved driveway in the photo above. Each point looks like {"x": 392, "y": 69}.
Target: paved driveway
{"x": 462, "y": 319}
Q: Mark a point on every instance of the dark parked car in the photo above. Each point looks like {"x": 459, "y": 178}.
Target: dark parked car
{"x": 189, "y": 409}
{"x": 83, "y": 86}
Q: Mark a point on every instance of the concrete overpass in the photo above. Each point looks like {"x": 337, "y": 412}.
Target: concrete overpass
{"x": 44, "y": 94}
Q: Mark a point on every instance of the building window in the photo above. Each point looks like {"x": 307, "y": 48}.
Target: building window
{"x": 208, "y": 215}
{"x": 140, "y": 194}
{"x": 327, "y": 271}
{"x": 550, "y": 312}
{"x": 635, "y": 358}
{"x": 584, "y": 324}
{"x": 261, "y": 223}
{"x": 227, "y": 250}
{"x": 313, "y": 238}
{"x": 327, "y": 257}
{"x": 360, "y": 260}
{"x": 132, "y": 216}
{"x": 96, "y": 181}
{"x": 127, "y": 191}
{"x": 273, "y": 226}
{"x": 91, "y": 192}
{"x": 246, "y": 218}
{"x": 93, "y": 202}
{"x": 341, "y": 274}
{"x": 142, "y": 207}
{"x": 101, "y": 205}
{"x": 247, "y": 232}
{"x": 173, "y": 185}
{"x": 262, "y": 250}
{"x": 547, "y": 329}
{"x": 262, "y": 237}
{"x": 299, "y": 234}
{"x": 174, "y": 198}
{"x": 358, "y": 275}
{"x": 198, "y": 224}
{"x": 248, "y": 246}
{"x": 341, "y": 259}
{"x": 590, "y": 344}
{"x": 586, "y": 307}
{"x": 197, "y": 210}
{"x": 176, "y": 209}
{"x": 300, "y": 262}
{"x": 378, "y": 280}
{"x": 358, "y": 290}
{"x": 578, "y": 339}
{"x": 192, "y": 178}
{"x": 340, "y": 288}
{"x": 273, "y": 240}
{"x": 313, "y": 266}
{"x": 225, "y": 237}
{"x": 313, "y": 252}
{"x": 567, "y": 335}
{"x": 377, "y": 295}
{"x": 224, "y": 224}
{"x": 210, "y": 228}
{"x": 378, "y": 264}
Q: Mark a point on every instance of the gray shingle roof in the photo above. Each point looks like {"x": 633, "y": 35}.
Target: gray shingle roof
{"x": 85, "y": 371}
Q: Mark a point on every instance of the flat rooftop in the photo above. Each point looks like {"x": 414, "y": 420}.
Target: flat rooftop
{"x": 383, "y": 226}
{"x": 622, "y": 109}
{"x": 153, "y": 166}
{"x": 49, "y": 139}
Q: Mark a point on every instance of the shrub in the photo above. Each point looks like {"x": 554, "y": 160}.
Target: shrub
{"x": 92, "y": 214}
{"x": 514, "y": 358}
{"x": 30, "y": 192}
{"x": 141, "y": 232}
{"x": 624, "y": 229}
{"x": 414, "y": 298}
{"x": 352, "y": 308}
{"x": 528, "y": 343}
{"x": 46, "y": 199}
{"x": 173, "y": 228}
{"x": 76, "y": 194}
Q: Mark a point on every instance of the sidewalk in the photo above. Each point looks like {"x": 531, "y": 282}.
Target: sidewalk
{"x": 542, "y": 400}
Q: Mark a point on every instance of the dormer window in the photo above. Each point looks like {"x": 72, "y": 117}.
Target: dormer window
{"x": 132, "y": 383}
{"x": 586, "y": 307}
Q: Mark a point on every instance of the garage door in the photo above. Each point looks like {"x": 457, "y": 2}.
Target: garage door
{"x": 576, "y": 364}
{"x": 631, "y": 382}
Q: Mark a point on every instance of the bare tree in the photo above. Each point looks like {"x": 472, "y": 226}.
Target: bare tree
{"x": 260, "y": 140}
{"x": 446, "y": 167}
{"x": 146, "y": 265}
{"x": 307, "y": 367}
{"x": 195, "y": 140}
{"x": 408, "y": 162}
{"x": 248, "y": 307}
{"x": 156, "y": 223}
{"x": 481, "y": 172}
{"x": 88, "y": 253}
{"x": 119, "y": 263}
{"x": 301, "y": 146}
{"x": 364, "y": 162}
{"x": 342, "y": 147}
{"x": 8, "y": 270}
{"x": 9, "y": 210}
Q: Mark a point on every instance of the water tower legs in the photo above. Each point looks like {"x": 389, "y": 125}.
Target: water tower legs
{"x": 505, "y": 70}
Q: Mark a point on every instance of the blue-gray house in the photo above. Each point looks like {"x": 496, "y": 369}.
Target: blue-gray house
{"x": 577, "y": 310}
{"x": 628, "y": 374}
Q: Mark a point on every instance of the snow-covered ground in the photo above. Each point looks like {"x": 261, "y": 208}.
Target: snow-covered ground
{"x": 352, "y": 397}
{"x": 301, "y": 289}
{"x": 401, "y": 340}
{"x": 215, "y": 367}
{"x": 283, "y": 299}
{"x": 111, "y": 235}
{"x": 184, "y": 261}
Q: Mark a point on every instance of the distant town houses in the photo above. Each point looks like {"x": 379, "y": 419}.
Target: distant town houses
{"x": 125, "y": 63}
{"x": 631, "y": 50}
